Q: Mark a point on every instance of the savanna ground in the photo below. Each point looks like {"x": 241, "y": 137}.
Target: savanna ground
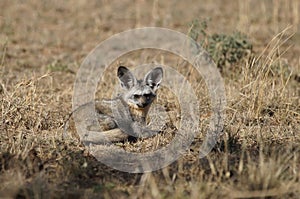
{"x": 42, "y": 46}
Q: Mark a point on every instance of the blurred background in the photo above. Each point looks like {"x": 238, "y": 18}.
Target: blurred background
{"x": 39, "y": 33}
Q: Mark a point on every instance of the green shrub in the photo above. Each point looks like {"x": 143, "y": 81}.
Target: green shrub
{"x": 224, "y": 49}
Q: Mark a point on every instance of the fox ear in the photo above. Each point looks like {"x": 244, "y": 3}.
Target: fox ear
{"x": 127, "y": 79}
{"x": 154, "y": 77}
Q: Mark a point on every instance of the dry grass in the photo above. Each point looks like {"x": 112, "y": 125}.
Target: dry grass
{"x": 41, "y": 48}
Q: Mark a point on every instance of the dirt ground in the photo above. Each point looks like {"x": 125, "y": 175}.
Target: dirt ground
{"x": 42, "y": 45}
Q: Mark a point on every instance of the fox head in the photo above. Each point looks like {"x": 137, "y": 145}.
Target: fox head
{"x": 140, "y": 93}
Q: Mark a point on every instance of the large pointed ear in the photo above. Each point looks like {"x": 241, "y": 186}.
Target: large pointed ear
{"x": 154, "y": 77}
{"x": 127, "y": 79}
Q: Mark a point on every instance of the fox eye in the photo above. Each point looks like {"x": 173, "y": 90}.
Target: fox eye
{"x": 148, "y": 96}
{"x": 136, "y": 96}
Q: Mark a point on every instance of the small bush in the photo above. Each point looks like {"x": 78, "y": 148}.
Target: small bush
{"x": 225, "y": 50}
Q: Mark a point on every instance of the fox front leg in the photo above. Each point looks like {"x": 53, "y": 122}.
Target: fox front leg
{"x": 142, "y": 131}
{"x": 113, "y": 135}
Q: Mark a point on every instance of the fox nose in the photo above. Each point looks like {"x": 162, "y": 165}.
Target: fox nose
{"x": 142, "y": 100}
